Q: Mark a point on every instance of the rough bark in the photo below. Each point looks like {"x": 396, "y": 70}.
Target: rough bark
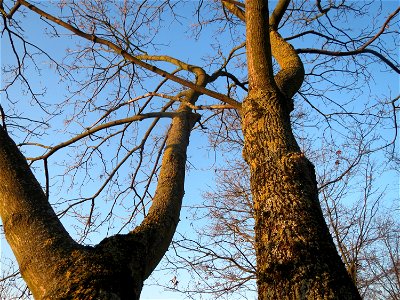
{"x": 31, "y": 227}
{"x": 296, "y": 257}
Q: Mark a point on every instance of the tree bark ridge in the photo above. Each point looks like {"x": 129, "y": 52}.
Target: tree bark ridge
{"x": 296, "y": 257}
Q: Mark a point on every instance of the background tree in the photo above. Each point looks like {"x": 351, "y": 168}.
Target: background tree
{"x": 102, "y": 108}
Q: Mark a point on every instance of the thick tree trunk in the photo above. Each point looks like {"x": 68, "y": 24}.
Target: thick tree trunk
{"x": 296, "y": 257}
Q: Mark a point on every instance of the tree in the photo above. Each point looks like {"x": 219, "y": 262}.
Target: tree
{"x": 216, "y": 251}
{"x": 53, "y": 265}
{"x": 296, "y": 257}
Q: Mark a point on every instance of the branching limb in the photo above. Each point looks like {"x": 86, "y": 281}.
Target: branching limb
{"x": 130, "y": 101}
{"x": 102, "y": 127}
{"x": 12, "y": 11}
{"x": 130, "y": 57}
{"x": 233, "y": 7}
{"x": 362, "y": 49}
{"x": 230, "y": 76}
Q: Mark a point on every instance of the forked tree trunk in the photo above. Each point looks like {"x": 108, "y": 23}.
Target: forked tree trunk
{"x": 56, "y": 267}
{"x": 296, "y": 257}
{"x": 53, "y": 265}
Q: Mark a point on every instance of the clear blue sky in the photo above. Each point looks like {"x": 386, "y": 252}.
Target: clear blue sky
{"x": 176, "y": 41}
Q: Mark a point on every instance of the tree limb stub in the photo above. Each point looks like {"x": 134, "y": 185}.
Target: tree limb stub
{"x": 291, "y": 74}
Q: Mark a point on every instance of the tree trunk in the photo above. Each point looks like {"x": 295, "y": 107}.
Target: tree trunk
{"x": 296, "y": 257}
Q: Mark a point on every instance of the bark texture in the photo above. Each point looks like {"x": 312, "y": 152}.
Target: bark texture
{"x": 296, "y": 257}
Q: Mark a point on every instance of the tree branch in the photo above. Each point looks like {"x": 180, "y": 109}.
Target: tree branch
{"x": 160, "y": 223}
{"x": 362, "y": 49}
{"x": 232, "y": 6}
{"x": 237, "y": 3}
{"x": 101, "y": 127}
{"x": 278, "y": 13}
{"x": 12, "y": 11}
{"x": 350, "y": 53}
{"x": 130, "y": 57}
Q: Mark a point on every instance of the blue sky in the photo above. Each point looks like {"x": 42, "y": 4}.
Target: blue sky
{"x": 176, "y": 41}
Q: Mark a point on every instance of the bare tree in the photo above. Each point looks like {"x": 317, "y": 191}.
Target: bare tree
{"x": 295, "y": 254}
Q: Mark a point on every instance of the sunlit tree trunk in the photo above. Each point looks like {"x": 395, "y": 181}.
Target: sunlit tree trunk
{"x": 296, "y": 257}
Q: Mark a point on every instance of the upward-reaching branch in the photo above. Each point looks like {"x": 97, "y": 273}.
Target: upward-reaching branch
{"x": 159, "y": 225}
{"x": 258, "y": 46}
{"x": 278, "y": 13}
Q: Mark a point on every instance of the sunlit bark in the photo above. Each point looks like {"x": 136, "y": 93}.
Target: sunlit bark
{"x": 296, "y": 258}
